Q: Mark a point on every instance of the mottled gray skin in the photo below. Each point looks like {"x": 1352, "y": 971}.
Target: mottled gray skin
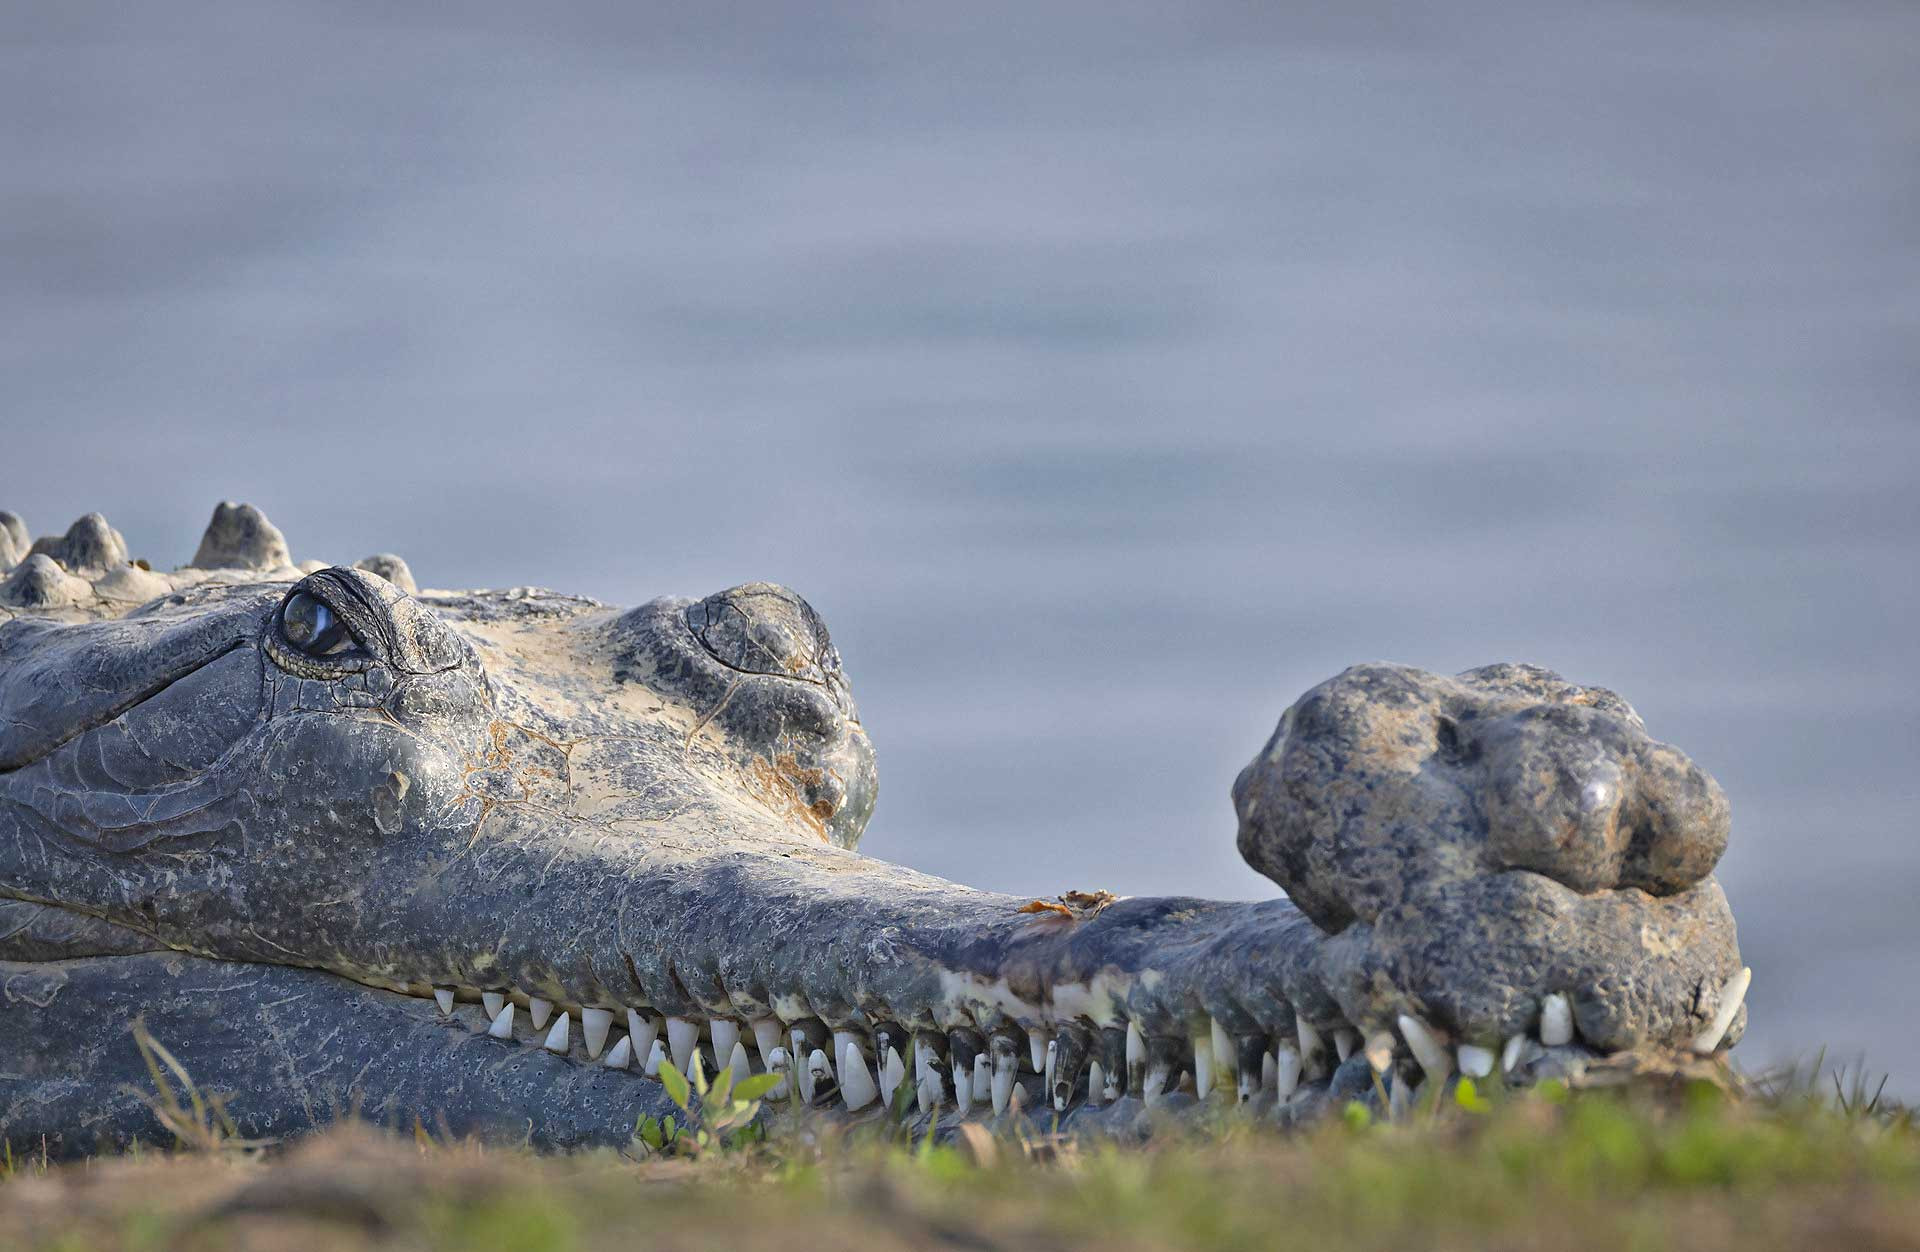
{"x": 273, "y": 857}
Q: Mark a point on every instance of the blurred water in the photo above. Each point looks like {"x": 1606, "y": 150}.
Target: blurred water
{"x": 1106, "y": 375}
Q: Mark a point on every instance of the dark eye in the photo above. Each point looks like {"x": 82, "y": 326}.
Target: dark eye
{"x": 309, "y": 625}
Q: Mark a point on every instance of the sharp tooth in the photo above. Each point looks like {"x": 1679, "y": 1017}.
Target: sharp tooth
{"x": 1018, "y": 1102}
{"x": 1399, "y": 1098}
{"x": 620, "y": 1055}
{"x": 1006, "y": 1063}
{"x": 842, "y": 1040}
{"x": 502, "y": 1027}
{"x": 1053, "y": 1059}
{"x": 594, "y": 1025}
{"x": 778, "y": 1062}
{"x": 892, "y": 1072}
{"x": 1156, "y": 1084}
{"x": 1510, "y": 1055}
{"x": 929, "y": 1092}
{"x": 1346, "y": 1041}
{"x": 1112, "y": 1091}
{"x": 644, "y": 1029}
{"x": 738, "y": 1063}
{"x": 816, "y": 1072}
{"x": 1731, "y": 996}
{"x": 1312, "y": 1047}
{"x": 1475, "y": 1062}
{"x": 724, "y": 1034}
{"x": 963, "y": 1087}
{"x": 1426, "y": 1049}
{"x": 922, "y": 1061}
{"x": 492, "y": 1002}
{"x": 1037, "y": 1040}
{"x": 1225, "y": 1056}
{"x": 982, "y": 1085}
{"x": 1556, "y": 1021}
{"x": 443, "y": 996}
{"x": 1269, "y": 1071}
{"x": 557, "y": 1037}
{"x": 683, "y": 1039}
{"x": 539, "y": 1011}
{"x": 1286, "y": 1071}
{"x": 856, "y": 1081}
{"x": 1202, "y": 1063}
{"x": 766, "y": 1036}
{"x": 656, "y": 1057}
{"x": 1096, "y": 1084}
{"x": 1380, "y": 1050}
{"x": 1136, "y": 1059}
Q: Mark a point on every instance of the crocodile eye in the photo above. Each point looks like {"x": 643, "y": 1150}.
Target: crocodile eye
{"x": 311, "y": 627}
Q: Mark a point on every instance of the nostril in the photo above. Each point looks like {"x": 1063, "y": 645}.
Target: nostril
{"x": 1452, "y": 742}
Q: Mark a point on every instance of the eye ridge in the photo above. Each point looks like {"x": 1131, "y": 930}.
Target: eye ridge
{"x": 312, "y": 626}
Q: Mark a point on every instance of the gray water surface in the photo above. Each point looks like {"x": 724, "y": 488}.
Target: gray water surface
{"x": 1107, "y": 375}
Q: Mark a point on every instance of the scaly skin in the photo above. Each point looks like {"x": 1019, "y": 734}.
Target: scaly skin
{"x": 269, "y": 810}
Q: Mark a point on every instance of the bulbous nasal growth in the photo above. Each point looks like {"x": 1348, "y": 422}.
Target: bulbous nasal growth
{"x": 491, "y": 859}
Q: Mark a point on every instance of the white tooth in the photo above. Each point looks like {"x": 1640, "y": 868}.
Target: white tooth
{"x": 1346, "y": 1041}
{"x": 683, "y": 1039}
{"x": 814, "y": 1074}
{"x": 778, "y": 1062}
{"x": 656, "y": 1057}
{"x": 842, "y": 1040}
{"x": 594, "y": 1025}
{"x": 1053, "y": 1058}
{"x": 1556, "y": 1021}
{"x": 1004, "y": 1068}
{"x": 502, "y": 1027}
{"x": 982, "y": 1085}
{"x": 922, "y": 1062}
{"x": 539, "y": 1011}
{"x": 620, "y": 1055}
{"x": 738, "y": 1063}
{"x": 724, "y": 1034}
{"x": 1426, "y": 1049}
{"x": 1019, "y": 1101}
{"x": 557, "y": 1037}
{"x": 892, "y": 1073}
{"x": 443, "y": 996}
{"x": 644, "y": 1030}
{"x": 1269, "y": 1070}
{"x": 1380, "y": 1050}
{"x": 1037, "y": 1040}
{"x": 1155, "y": 1085}
{"x": 1096, "y": 1084}
{"x": 929, "y": 1092}
{"x": 1311, "y": 1045}
{"x": 1730, "y": 997}
{"x": 1475, "y": 1062}
{"x": 1510, "y": 1055}
{"x": 1202, "y": 1064}
{"x": 1136, "y": 1058}
{"x": 1226, "y": 1057}
{"x": 492, "y": 1002}
{"x": 856, "y": 1081}
{"x": 766, "y": 1036}
{"x": 1399, "y": 1099}
{"x": 963, "y": 1088}
{"x": 1286, "y": 1071}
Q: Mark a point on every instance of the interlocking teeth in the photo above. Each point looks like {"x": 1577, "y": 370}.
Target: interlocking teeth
{"x": 1426, "y": 1049}
{"x": 1731, "y": 996}
{"x": 724, "y": 1034}
{"x": 738, "y": 1063}
{"x": 1346, "y": 1041}
{"x": 856, "y": 1081}
{"x": 557, "y": 1037}
{"x": 493, "y": 1002}
{"x": 1096, "y": 1084}
{"x": 1270, "y": 1071}
{"x": 443, "y": 996}
{"x": 1006, "y": 1064}
{"x": 1136, "y": 1058}
{"x": 842, "y": 1040}
{"x": 1312, "y": 1047}
{"x": 502, "y": 1027}
{"x": 893, "y": 1071}
{"x": 683, "y": 1038}
{"x": 766, "y": 1038}
{"x": 1556, "y": 1020}
{"x": 1226, "y": 1057}
{"x": 656, "y": 1057}
{"x": 620, "y": 1055}
{"x": 963, "y": 1086}
{"x": 1037, "y": 1040}
{"x": 643, "y": 1030}
{"x": 594, "y": 1025}
{"x": 1202, "y": 1063}
{"x": 930, "y": 1092}
{"x": 1286, "y": 1067}
{"x": 538, "y": 1011}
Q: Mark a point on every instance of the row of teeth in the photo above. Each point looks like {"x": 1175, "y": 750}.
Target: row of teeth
{"x": 970, "y": 1071}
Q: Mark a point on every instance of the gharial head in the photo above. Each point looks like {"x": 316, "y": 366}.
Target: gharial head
{"x": 532, "y": 809}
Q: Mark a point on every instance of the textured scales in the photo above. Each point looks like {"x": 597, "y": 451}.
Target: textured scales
{"x": 347, "y": 846}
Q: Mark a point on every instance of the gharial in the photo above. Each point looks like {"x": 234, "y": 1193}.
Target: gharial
{"x": 482, "y": 861}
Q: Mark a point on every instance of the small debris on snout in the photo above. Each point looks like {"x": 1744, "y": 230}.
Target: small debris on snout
{"x": 1078, "y": 906}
